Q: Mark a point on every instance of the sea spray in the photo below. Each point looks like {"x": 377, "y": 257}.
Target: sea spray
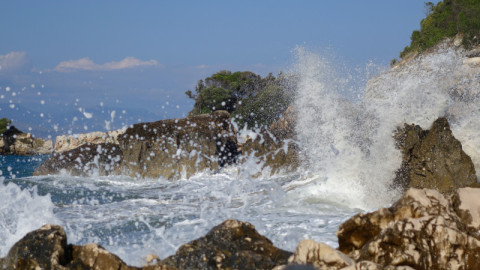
{"x": 22, "y": 211}
{"x": 348, "y": 145}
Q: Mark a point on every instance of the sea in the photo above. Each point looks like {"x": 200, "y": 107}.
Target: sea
{"x": 345, "y": 134}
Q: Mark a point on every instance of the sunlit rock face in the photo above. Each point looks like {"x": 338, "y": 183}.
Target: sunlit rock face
{"x": 433, "y": 159}
{"x": 178, "y": 148}
{"x": 423, "y": 230}
{"x": 69, "y": 142}
{"x": 15, "y": 142}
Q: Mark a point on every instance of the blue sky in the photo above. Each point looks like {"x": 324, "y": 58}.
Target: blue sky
{"x": 68, "y": 60}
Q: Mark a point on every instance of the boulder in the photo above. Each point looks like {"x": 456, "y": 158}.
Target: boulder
{"x": 47, "y": 248}
{"x": 88, "y": 159}
{"x": 433, "y": 159}
{"x": 230, "y": 245}
{"x": 422, "y": 230}
{"x": 176, "y": 148}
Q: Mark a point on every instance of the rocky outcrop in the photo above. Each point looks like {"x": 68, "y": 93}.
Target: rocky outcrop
{"x": 170, "y": 149}
{"x": 47, "y": 248}
{"x": 176, "y": 148}
{"x": 433, "y": 159}
{"x": 89, "y": 159}
{"x": 15, "y": 142}
{"x": 230, "y": 245}
{"x": 423, "y": 230}
{"x": 70, "y": 142}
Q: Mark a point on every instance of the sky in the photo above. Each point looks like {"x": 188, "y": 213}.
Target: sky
{"x": 82, "y": 66}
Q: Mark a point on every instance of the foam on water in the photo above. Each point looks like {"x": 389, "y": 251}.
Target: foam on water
{"x": 349, "y": 163}
{"x": 22, "y": 211}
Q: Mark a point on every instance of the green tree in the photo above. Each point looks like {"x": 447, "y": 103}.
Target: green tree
{"x": 445, "y": 20}
{"x": 4, "y": 124}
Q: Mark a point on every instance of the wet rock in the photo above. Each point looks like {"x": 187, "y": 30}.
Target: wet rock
{"x": 433, "y": 159}
{"x": 70, "y": 142}
{"x": 422, "y": 230}
{"x": 272, "y": 153}
{"x": 88, "y": 159}
{"x": 45, "y": 248}
{"x": 466, "y": 203}
{"x": 15, "y": 142}
{"x": 284, "y": 128}
{"x": 178, "y": 148}
{"x": 230, "y": 245}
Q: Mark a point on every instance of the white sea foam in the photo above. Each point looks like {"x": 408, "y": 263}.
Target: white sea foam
{"x": 22, "y": 211}
{"x": 349, "y": 145}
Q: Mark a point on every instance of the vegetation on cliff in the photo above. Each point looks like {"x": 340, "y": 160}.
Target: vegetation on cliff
{"x": 251, "y": 99}
{"x": 445, "y": 20}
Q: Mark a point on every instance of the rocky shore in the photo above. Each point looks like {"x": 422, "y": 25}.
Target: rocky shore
{"x": 434, "y": 225}
{"x": 422, "y": 230}
{"x": 15, "y": 142}
{"x": 173, "y": 149}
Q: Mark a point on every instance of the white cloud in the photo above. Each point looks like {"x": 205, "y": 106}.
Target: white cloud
{"x": 13, "y": 61}
{"x": 87, "y": 64}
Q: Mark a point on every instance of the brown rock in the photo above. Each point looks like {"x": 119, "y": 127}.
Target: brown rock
{"x": 433, "y": 159}
{"x": 421, "y": 230}
{"x": 177, "y": 148}
{"x": 230, "y": 245}
{"x": 45, "y": 248}
{"x": 319, "y": 255}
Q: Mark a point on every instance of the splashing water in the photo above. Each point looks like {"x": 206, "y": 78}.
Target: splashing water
{"x": 349, "y": 145}
{"x": 349, "y": 163}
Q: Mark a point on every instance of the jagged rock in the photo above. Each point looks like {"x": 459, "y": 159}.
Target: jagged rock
{"x": 88, "y": 159}
{"x": 320, "y": 255}
{"x": 69, "y": 142}
{"x": 230, "y": 245}
{"x": 15, "y": 142}
{"x": 177, "y": 148}
{"x": 421, "y": 230}
{"x": 433, "y": 159}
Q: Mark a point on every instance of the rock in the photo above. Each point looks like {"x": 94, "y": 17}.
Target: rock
{"x": 272, "y": 153}
{"x": 178, "y": 148}
{"x": 15, "y": 142}
{"x": 422, "y": 230}
{"x": 433, "y": 159}
{"x": 284, "y": 128}
{"x": 88, "y": 159}
{"x": 47, "y": 248}
{"x": 320, "y": 255}
{"x": 466, "y": 203}
{"x": 65, "y": 143}
{"x": 230, "y": 245}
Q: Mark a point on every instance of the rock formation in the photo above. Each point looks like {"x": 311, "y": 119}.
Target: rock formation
{"x": 433, "y": 159}
{"x": 47, "y": 248}
{"x": 230, "y": 245}
{"x": 170, "y": 149}
{"x": 15, "y": 142}
{"x": 422, "y": 230}
{"x": 70, "y": 142}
